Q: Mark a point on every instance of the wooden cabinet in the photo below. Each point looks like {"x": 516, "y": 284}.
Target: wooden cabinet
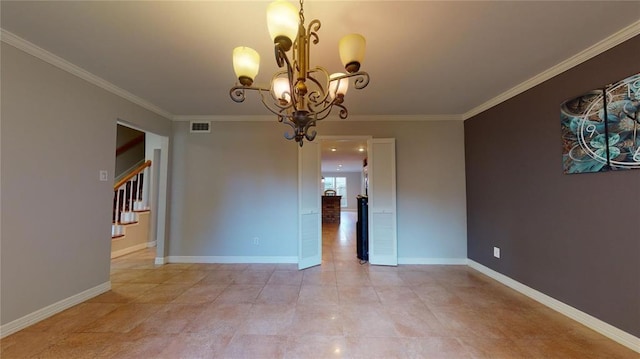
{"x": 331, "y": 209}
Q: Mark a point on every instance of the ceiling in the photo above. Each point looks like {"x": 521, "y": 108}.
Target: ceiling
{"x": 343, "y": 155}
{"x": 425, "y": 58}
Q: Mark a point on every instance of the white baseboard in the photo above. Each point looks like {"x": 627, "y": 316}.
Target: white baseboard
{"x": 48, "y": 311}
{"x": 151, "y": 244}
{"x": 128, "y": 250}
{"x": 444, "y": 261}
{"x": 611, "y": 332}
{"x": 160, "y": 261}
{"x": 230, "y": 259}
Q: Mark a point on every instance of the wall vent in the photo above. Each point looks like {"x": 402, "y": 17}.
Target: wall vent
{"x": 200, "y": 127}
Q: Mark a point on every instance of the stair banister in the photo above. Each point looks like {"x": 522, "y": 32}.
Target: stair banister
{"x": 128, "y": 195}
{"x": 132, "y": 174}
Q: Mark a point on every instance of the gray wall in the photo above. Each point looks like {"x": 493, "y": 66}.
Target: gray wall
{"x": 58, "y": 131}
{"x": 575, "y": 238}
{"x": 240, "y": 182}
{"x": 354, "y": 184}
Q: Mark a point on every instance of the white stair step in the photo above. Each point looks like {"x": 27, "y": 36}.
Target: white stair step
{"x": 117, "y": 230}
{"x": 128, "y": 217}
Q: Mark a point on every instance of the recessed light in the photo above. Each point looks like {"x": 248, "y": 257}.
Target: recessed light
{"x": 339, "y": 165}
{"x": 360, "y": 149}
{"x": 333, "y": 149}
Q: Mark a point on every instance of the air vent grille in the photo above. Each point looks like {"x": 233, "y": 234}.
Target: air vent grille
{"x": 200, "y": 127}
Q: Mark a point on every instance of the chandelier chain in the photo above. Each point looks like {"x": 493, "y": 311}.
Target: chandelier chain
{"x": 301, "y": 11}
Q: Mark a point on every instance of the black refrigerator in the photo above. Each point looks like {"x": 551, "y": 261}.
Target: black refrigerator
{"x": 362, "y": 229}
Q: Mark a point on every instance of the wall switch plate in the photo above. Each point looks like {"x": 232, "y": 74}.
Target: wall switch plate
{"x": 496, "y": 252}
{"x": 104, "y": 176}
{"x": 256, "y": 241}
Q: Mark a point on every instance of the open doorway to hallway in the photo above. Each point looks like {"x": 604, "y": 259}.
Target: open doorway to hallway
{"x": 343, "y": 169}
{"x": 131, "y": 211}
{"x": 139, "y": 201}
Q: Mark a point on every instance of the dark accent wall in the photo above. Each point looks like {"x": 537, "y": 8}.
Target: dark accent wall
{"x": 574, "y": 237}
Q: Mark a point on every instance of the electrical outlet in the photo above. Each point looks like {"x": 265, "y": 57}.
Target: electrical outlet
{"x": 496, "y": 252}
{"x": 256, "y": 241}
{"x": 104, "y": 175}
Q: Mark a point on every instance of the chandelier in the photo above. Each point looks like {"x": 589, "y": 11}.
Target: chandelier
{"x": 299, "y": 95}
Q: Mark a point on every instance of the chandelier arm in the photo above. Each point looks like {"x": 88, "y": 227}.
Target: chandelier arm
{"x": 325, "y": 112}
{"x": 310, "y": 135}
{"x": 344, "y": 113}
{"x": 237, "y": 94}
{"x": 277, "y": 110}
{"x": 287, "y": 134}
{"x": 322, "y": 113}
{"x": 321, "y": 91}
{"x": 361, "y": 80}
{"x": 280, "y": 54}
{"x": 315, "y": 106}
{"x": 312, "y": 30}
{"x": 322, "y": 109}
{"x": 283, "y": 115}
{"x": 322, "y": 95}
{"x": 282, "y": 59}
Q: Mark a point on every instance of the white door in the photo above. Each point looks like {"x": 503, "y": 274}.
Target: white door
{"x": 309, "y": 206}
{"x": 383, "y": 241}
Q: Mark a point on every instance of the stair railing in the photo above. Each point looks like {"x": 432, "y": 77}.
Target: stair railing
{"x": 129, "y": 198}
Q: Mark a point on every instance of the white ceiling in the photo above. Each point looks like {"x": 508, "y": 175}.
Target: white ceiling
{"x": 424, "y": 57}
{"x": 347, "y": 156}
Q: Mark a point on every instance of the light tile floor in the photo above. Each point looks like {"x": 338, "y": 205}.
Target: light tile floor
{"x": 341, "y": 309}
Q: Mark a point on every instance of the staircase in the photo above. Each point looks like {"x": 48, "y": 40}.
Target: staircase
{"x": 130, "y": 203}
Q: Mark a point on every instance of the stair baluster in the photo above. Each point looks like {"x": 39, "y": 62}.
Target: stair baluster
{"x": 128, "y": 199}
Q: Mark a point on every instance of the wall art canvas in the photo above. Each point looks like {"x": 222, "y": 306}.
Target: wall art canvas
{"x": 601, "y": 129}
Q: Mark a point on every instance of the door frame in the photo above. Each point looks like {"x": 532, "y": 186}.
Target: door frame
{"x": 321, "y": 138}
{"x": 368, "y": 139}
{"x": 158, "y": 205}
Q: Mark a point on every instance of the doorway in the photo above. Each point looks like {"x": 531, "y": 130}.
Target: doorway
{"x": 154, "y": 187}
{"x": 382, "y": 222}
{"x": 130, "y": 214}
{"x": 343, "y": 168}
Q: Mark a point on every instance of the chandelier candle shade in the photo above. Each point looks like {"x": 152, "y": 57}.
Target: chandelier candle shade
{"x": 299, "y": 95}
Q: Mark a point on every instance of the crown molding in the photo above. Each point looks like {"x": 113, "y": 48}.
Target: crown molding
{"x": 584, "y": 55}
{"x": 396, "y": 118}
{"x": 46, "y": 56}
{"x": 270, "y": 118}
{"x": 223, "y": 118}
{"x": 590, "y": 52}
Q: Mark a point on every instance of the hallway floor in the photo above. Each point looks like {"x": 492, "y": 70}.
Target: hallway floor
{"x": 341, "y": 309}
